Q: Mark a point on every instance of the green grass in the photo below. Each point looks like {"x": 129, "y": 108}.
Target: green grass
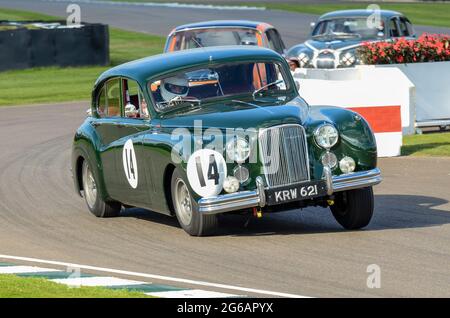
{"x": 12, "y": 286}
{"x": 54, "y": 84}
{"x": 431, "y": 144}
{"x": 435, "y": 14}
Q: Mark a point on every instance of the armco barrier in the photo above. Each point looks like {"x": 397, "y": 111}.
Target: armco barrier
{"x": 25, "y": 48}
{"x": 383, "y": 96}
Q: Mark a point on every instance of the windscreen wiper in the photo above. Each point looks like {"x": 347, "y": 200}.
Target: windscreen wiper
{"x": 267, "y": 86}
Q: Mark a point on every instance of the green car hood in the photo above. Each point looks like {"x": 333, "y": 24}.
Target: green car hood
{"x": 238, "y": 115}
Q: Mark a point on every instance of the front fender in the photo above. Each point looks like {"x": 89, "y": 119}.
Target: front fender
{"x": 356, "y": 138}
{"x": 297, "y": 49}
{"x": 86, "y": 146}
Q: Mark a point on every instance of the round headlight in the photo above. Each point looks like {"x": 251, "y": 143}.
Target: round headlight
{"x": 347, "y": 164}
{"x": 329, "y": 159}
{"x": 238, "y": 149}
{"x": 348, "y": 59}
{"x": 326, "y": 136}
{"x": 303, "y": 59}
{"x": 231, "y": 184}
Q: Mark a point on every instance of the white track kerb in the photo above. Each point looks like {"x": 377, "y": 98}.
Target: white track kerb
{"x": 112, "y": 281}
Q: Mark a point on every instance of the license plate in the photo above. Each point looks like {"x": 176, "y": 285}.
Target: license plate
{"x": 298, "y": 192}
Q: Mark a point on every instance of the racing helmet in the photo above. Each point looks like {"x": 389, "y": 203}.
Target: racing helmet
{"x": 175, "y": 86}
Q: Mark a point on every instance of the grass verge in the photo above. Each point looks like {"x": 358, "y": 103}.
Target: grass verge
{"x": 12, "y": 286}
{"x": 432, "y": 144}
{"x": 55, "y": 84}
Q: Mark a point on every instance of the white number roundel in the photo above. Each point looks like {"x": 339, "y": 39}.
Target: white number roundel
{"x": 130, "y": 164}
{"x": 206, "y": 171}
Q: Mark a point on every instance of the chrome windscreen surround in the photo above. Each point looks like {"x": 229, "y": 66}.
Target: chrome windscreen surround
{"x": 284, "y": 154}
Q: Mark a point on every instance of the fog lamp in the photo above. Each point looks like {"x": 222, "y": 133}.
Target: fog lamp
{"x": 231, "y": 184}
{"x": 329, "y": 159}
{"x": 348, "y": 59}
{"x": 347, "y": 164}
{"x": 303, "y": 59}
{"x": 241, "y": 173}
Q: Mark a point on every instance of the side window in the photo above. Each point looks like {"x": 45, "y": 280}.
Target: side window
{"x": 405, "y": 27}
{"x": 174, "y": 43}
{"x": 101, "y": 103}
{"x": 113, "y": 97}
{"x": 279, "y": 41}
{"x": 134, "y": 101}
{"x": 273, "y": 41}
{"x": 394, "y": 27}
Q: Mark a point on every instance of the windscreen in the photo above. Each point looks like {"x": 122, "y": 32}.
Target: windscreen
{"x": 346, "y": 27}
{"x": 196, "y": 86}
{"x": 214, "y": 37}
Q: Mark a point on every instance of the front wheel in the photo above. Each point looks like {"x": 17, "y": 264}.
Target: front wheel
{"x": 95, "y": 203}
{"x": 353, "y": 209}
{"x": 186, "y": 209}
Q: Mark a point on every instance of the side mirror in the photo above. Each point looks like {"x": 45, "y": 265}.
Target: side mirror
{"x": 312, "y": 25}
{"x": 297, "y": 84}
{"x": 131, "y": 111}
{"x": 89, "y": 112}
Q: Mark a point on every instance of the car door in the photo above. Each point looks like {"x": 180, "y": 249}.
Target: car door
{"x": 108, "y": 112}
{"x": 131, "y": 165}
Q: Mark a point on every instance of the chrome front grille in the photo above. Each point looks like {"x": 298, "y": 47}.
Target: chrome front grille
{"x": 325, "y": 60}
{"x": 284, "y": 155}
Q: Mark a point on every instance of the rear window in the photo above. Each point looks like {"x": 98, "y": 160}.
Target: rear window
{"x": 213, "y": 37}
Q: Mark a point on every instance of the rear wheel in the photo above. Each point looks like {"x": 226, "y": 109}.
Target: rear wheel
{"x": 186, "y": 209}
{"x": 353, "y": 209}
{"x": 95, "y": 203}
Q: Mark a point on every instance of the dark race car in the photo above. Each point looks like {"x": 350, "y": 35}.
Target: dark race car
{"x": 202, "y": 132}
{"x": 336, "y": 36}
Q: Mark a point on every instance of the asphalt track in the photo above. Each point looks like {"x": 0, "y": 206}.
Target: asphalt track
{"x": 297, "y": 252}
{"x": 293, "y": 27}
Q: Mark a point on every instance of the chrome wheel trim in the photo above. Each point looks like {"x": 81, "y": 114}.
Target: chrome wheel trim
{"x": 89, "y": 186}
{"x": 183, "y": 202}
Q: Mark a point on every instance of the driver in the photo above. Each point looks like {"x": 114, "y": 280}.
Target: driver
{"x": 176, "y": 86}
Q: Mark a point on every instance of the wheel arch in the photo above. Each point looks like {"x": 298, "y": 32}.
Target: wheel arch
{"x": 84, "y": 149}
{"x": 167, "y": 186}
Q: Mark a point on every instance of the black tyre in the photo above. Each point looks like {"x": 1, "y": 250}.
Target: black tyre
{"x": 353, "y": 209}
{"x": 95, "y": 203}
{"x": 186, "y": 209}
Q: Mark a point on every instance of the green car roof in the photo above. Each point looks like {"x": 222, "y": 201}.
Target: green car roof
{"x": 143, "y": 69}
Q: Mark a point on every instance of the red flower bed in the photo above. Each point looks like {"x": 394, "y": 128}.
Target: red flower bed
{"x": 427, "y": 48}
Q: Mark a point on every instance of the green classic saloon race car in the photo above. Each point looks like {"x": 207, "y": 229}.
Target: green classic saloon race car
{"x": 202, "y": 132}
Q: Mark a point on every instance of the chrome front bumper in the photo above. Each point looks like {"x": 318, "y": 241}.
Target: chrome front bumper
{"x": 249, "y": 199}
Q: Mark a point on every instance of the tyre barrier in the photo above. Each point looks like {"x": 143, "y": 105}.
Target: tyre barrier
{"x": 28, "y": 44}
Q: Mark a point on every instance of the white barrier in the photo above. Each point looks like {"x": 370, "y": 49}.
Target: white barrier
{"x": 432, "y": 82}
{"x": 384, "y": 96}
